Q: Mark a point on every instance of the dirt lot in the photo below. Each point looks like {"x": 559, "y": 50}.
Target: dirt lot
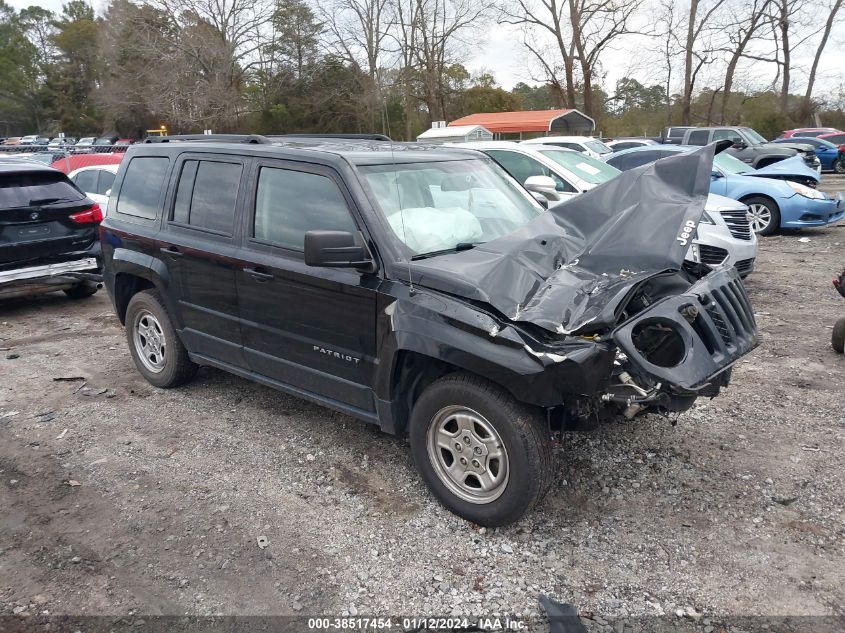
{"x": 119, "y": 498}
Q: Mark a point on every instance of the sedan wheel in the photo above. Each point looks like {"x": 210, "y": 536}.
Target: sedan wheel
{"x": 763, "y": 215}
{"x": 839, "y": 165}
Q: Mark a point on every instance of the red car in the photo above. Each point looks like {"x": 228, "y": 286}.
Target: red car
{"x": 837, "y": 138}
{"x": 72, "y": 162}
{"x": 809, "y": 131}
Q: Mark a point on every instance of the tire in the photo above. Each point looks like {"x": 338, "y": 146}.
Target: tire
{"x": 158, "y": 352}
{"x": 766, "y": 212}
{"x": 473, "y": 413}
{"x": 82, "y": 290}
{"x": 837, "y": 338}
{"x": 839, "y": 165}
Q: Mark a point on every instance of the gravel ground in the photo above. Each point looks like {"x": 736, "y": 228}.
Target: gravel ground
{"x": 118, "y": 498}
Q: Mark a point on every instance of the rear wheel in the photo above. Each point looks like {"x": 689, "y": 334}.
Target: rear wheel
{"x": 484, "y": 455}
{"x": 156, "y": 349}
{"x": 763, "y": 215}
{"x": 81, "y": 290}
{"x": 839, "y": 165}
{"x": 837, "y": 339}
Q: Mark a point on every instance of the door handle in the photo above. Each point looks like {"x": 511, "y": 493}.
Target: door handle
{"x": 258, "y": 275}
{"x": 172, "y": 252}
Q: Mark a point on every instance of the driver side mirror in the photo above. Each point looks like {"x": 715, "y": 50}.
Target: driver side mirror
{"x": 544, "y": 185}
{"x": 739, "y": 144}
{"x": 335, "y": 249}
{"x": 715, "y": 175}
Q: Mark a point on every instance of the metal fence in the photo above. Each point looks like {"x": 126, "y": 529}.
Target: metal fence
{"x": 64, "y": 158}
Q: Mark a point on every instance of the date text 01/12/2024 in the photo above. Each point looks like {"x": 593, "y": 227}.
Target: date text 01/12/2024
{"x": 488, "y": 623}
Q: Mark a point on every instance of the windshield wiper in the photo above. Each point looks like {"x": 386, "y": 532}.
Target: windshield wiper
{"x": 460, "y": 246}
{"x": 42, "y": 201}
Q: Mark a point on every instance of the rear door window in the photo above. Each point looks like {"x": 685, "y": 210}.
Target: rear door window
{"x": 730, "y": 135}
{"x": 698, "y": 137}
{"x": 86, "y": 180}
{"x": 290, "y": 203}
{"x": 207, "y": 194}
{"x": 24, "y": 188}
{"x": 142, "y": 186}
{"x": 104, "y": 182}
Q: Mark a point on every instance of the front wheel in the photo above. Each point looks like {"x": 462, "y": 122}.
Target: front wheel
{"x": 484, "y": 455}
{"x": 763, "y": 215}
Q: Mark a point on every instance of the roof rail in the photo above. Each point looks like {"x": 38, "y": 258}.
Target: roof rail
{"x": 219, "y": 138}
{"x": 353, "y": 137}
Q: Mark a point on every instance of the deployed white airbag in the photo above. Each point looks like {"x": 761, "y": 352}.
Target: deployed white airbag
{"x": 427, "y": 229}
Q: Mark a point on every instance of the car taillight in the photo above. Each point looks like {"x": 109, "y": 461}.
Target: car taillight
{"x": 91, "y": 215}
{"x": 842, "y": 148}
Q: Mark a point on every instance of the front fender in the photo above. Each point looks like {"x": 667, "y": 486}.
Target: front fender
{"x": 447, "y": 330}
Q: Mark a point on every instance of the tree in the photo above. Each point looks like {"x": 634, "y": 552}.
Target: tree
{"x": 698, "y": 23}
{"x": 750, "y": 16}
{"x": 828, "y": 25}
{"x": 297, "y": 35}
{"x": 582, "y": 30}
{"x": 72, "y": 78}
{"x": 21, "y": 74}
{"x": 359, "y": 32}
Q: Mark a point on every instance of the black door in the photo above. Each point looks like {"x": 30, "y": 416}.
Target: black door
{"x": 200, "y": 249}
{"x": 312, "y": 329}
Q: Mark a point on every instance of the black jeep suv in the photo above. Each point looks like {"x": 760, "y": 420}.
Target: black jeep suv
{"x": 48, "y": 233}
{"x": 424, "y": 290}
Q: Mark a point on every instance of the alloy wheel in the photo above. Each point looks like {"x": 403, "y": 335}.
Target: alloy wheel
{"x": 468, "y": 454}
{"x": 759, "y": 217}
{"x": 150, "y": 342}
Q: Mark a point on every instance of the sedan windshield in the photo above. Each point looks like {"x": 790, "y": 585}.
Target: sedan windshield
{"x": 440, "y": 207}
{"x": 731, "y": 165}
{"x": 587, "y": 168}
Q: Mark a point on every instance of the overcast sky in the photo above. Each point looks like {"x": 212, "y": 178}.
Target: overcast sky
{"x": 501, "y": 53}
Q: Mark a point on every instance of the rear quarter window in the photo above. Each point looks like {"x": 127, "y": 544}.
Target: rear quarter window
{"x": 142, "y": 186}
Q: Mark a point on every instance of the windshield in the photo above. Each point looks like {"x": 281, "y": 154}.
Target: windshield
{"x": 587, "y": 168}
{"x": 446, "y": 206}
{"x": 598, "y": 147}
{"x": 731, "y": 165}
{"x": 752, "y": 136}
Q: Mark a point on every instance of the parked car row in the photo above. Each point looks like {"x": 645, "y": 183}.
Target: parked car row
{"x": 828, "y": 144}
{"x": 65, "y": 141}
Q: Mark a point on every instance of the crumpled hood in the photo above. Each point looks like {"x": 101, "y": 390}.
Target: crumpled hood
{"x": 793, "y": 167}
{"x": 571, "y": 266}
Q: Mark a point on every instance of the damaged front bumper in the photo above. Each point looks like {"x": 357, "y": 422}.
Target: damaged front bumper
{"x": 686, "y": 342}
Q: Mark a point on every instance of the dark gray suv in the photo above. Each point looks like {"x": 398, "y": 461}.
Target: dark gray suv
{"x": 750, "y": 147}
